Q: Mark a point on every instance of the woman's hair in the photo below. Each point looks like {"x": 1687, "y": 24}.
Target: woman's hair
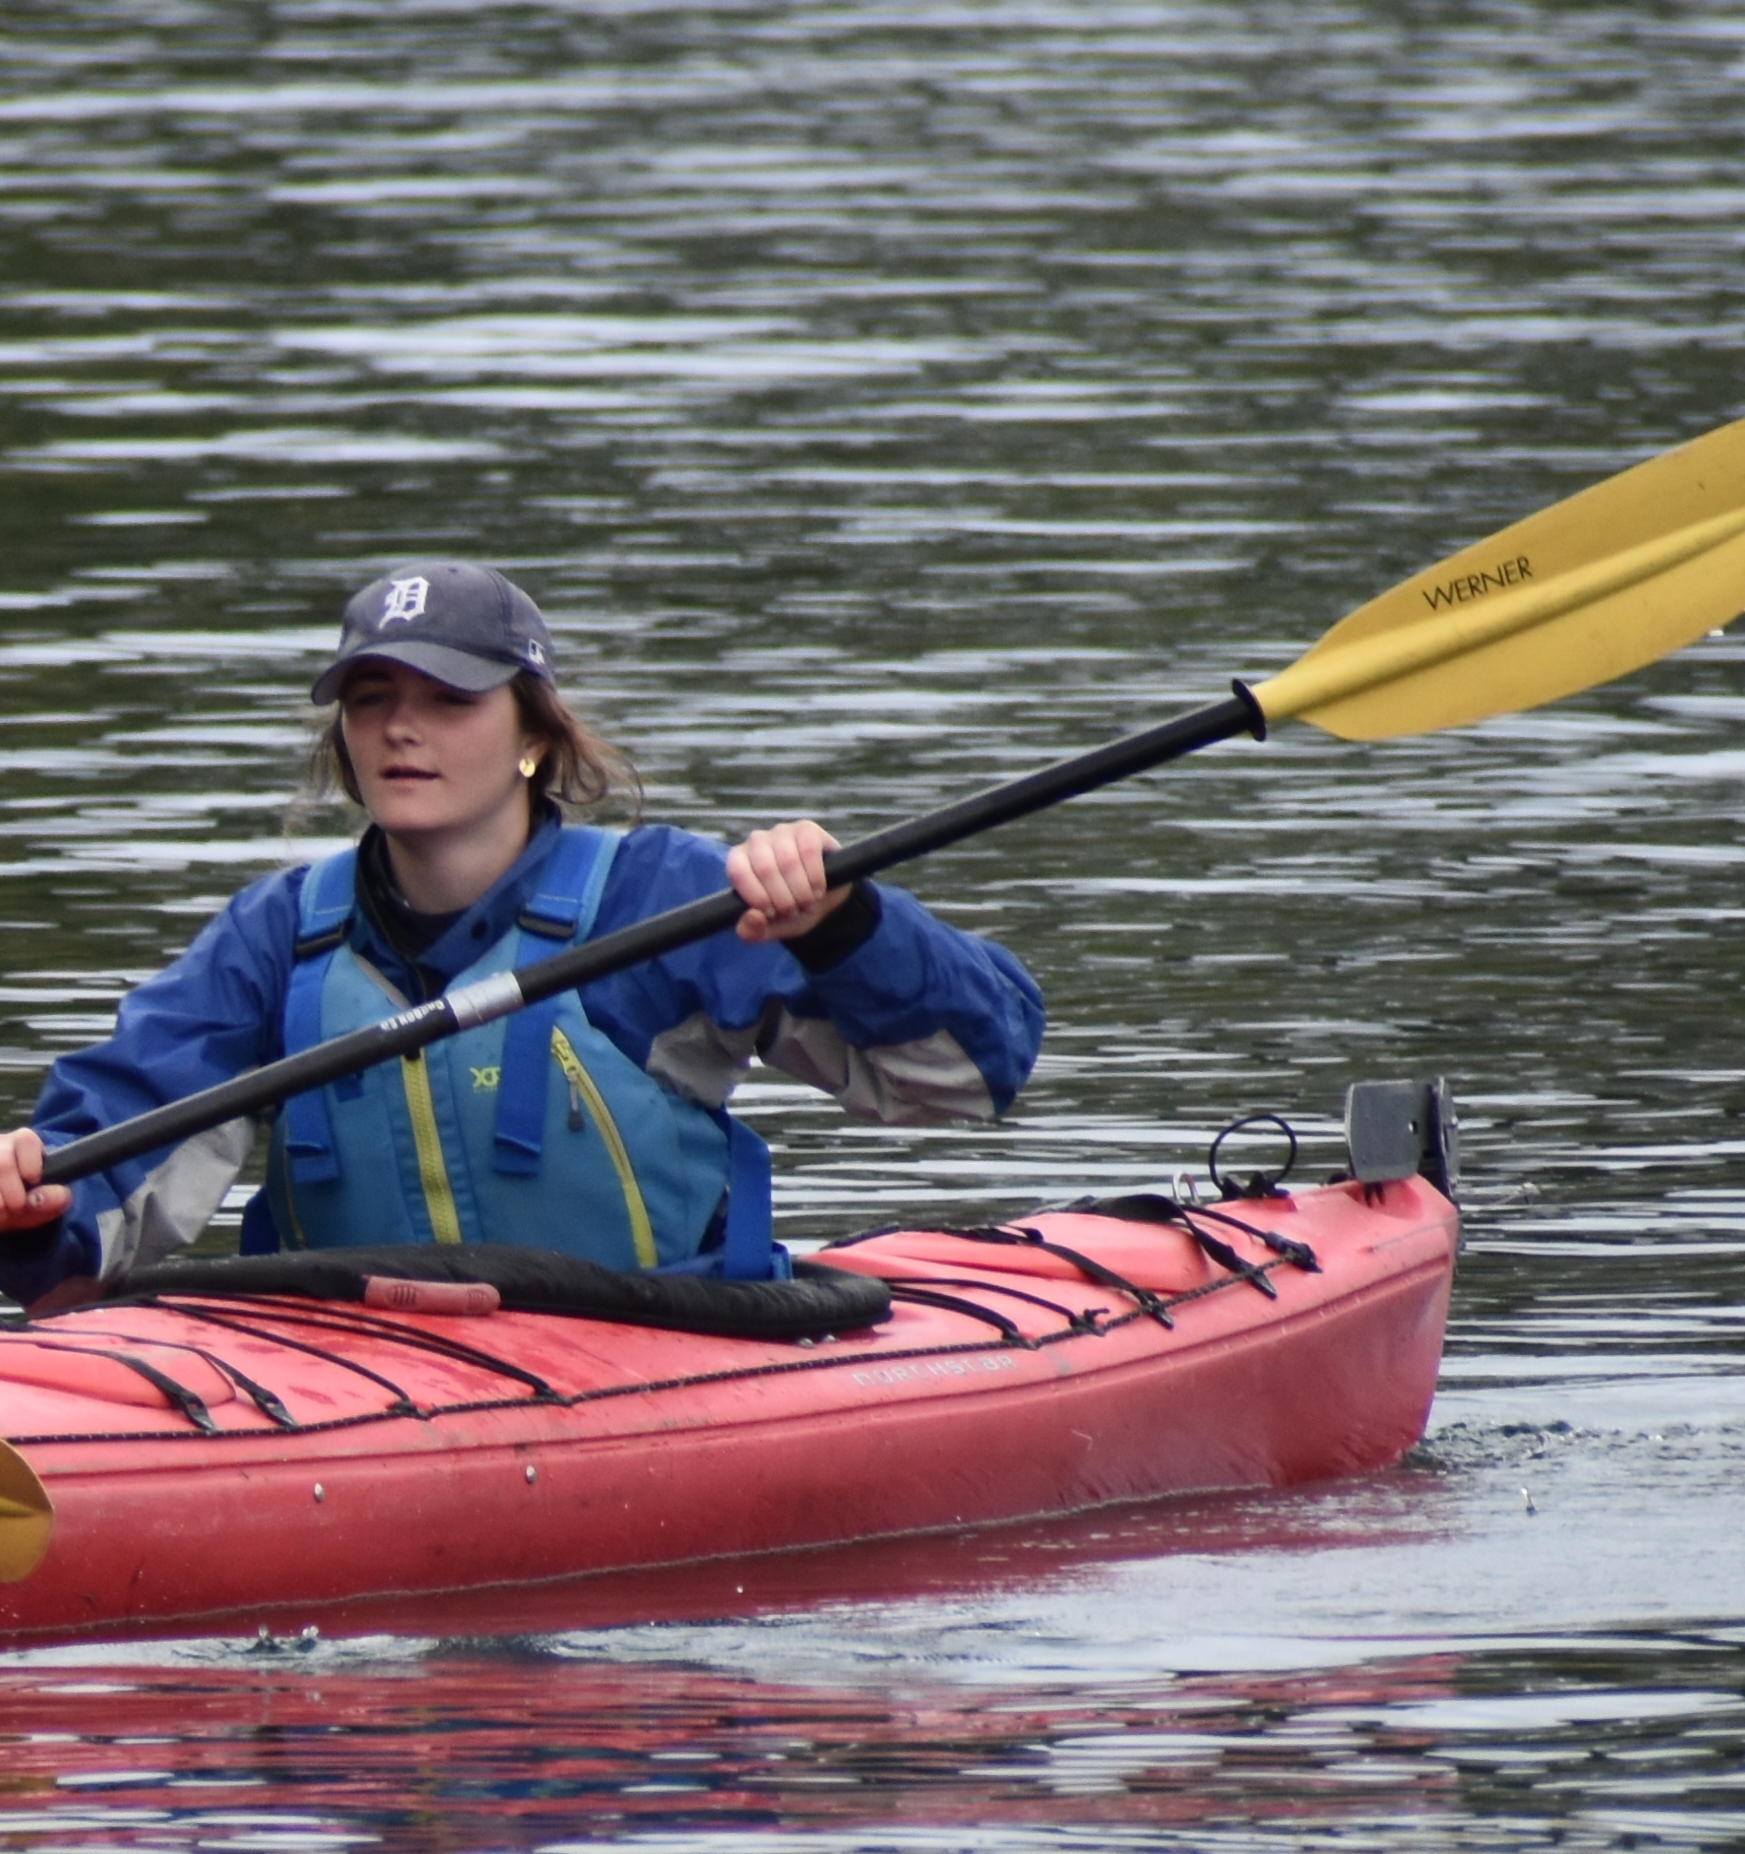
{"x": 576, "y": 766}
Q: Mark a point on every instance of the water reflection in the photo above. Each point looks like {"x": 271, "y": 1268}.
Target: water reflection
{"x": 1505, "y": 1746}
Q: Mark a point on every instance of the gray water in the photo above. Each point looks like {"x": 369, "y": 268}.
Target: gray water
{"x": 881, "y": 400}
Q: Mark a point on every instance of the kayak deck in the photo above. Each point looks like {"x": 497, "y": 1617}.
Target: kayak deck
{"x": 209, "y": 1457}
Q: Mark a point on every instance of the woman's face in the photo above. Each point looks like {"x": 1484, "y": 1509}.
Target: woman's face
{"x": 429, "y": 758}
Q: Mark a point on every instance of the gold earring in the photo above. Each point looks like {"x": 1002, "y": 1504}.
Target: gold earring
{"x": 529, "y": 766}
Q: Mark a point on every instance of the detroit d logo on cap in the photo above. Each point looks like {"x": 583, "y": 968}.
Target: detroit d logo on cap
{"x": 405, "y": 601}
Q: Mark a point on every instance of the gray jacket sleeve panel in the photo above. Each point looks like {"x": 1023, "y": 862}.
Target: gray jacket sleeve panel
{"x": 176, "y": 1200}
{"x": 917, "y": 1083}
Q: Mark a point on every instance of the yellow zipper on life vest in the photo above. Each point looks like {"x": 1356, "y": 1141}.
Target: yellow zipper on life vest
{"x": 432, "y": 1172}
{"x": 641, "y": 1230}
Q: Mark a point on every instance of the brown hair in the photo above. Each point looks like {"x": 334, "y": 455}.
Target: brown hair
{"x": 576, "y": 766}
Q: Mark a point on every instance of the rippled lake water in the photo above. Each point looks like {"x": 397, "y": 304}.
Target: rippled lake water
{"x": 881, "y": 400}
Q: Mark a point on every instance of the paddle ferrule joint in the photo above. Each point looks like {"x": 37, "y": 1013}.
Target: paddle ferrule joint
{"x": 1256, "y": 714}
{"x": 484, "y": 999}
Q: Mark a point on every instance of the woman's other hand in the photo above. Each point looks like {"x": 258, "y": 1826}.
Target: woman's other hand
{"x": 25, "y": 1201}
{"x": 779, "y": 875}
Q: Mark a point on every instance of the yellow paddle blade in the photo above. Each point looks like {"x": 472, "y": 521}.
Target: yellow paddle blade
{"x": 27, "y": 1517}
{"x": 1618, "y": 576}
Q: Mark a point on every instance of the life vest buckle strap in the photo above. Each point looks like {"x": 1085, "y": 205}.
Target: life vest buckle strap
{"x": 311, "y": 946}
{"x": 571, "y": 885}
{"x": 548, "y": 926}
{"x": 747, "y": 1249}
{"x": 324, "y": 910}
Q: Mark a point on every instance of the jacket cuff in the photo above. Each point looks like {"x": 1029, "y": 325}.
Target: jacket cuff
{"x": 840, "y": 933}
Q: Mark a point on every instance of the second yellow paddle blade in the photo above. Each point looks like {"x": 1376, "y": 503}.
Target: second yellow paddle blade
{"x": 1611, "y": 579}
{"x": 27, "y": 1517}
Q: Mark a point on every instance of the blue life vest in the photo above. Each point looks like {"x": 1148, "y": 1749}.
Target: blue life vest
{"x": 533, "y": 1129}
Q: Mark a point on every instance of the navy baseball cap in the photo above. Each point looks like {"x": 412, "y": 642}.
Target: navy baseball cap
{"x": 466, "y": 626}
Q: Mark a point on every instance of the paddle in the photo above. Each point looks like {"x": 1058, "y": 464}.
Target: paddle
{"x": 1583, "y": 592}
{"x": 26, "y": 1517}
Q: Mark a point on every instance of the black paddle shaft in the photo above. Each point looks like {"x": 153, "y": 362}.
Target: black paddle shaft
{"x": 409, "y": 1031}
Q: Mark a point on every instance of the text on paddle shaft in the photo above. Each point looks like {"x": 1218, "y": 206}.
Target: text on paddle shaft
{"x": 1476, "y": 585}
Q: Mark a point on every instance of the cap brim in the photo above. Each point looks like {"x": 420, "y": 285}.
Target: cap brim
{"x": 457, "y": 668}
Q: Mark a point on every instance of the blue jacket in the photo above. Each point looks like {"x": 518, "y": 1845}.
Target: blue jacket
{"x": 918, "y": 1023}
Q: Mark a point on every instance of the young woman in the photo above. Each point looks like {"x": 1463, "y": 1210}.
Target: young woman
{"x": 593, "y": 1124}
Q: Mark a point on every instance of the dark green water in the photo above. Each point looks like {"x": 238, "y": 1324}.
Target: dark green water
{"x": 881, "y": 400}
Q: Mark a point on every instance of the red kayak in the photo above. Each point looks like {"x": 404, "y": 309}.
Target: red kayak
{"x": 201, "y": 1451}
